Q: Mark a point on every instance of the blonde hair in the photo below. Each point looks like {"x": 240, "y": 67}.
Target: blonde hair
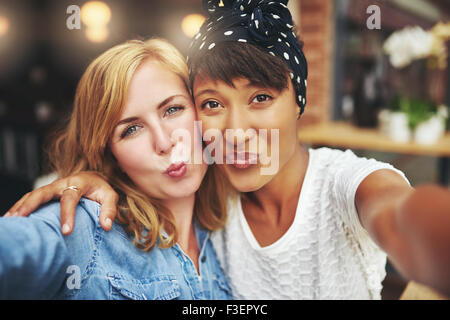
{"x": 83, "y": 145}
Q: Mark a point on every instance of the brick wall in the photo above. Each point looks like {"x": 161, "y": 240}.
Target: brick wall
{"x": 316, "y": 30}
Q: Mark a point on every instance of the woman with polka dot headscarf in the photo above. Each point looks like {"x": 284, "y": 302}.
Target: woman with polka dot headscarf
{"x": 321, "y": 222}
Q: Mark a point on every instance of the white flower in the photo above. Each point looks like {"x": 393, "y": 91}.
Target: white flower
{"x": 408, "y": 44}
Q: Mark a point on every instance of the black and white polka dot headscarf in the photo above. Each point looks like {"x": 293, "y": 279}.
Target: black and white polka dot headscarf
{"x": 265, "y": 24}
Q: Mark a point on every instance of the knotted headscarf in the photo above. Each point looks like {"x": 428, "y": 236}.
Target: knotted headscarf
{"x": 262, "y": 23}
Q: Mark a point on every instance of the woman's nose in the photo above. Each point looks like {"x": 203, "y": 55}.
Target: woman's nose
{"x": 163, "y": 142}
{"x": 237, "y": 129}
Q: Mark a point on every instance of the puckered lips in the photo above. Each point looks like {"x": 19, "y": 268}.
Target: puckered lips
{"x": 241, "y": 160}
{"x": 176, "y": 170}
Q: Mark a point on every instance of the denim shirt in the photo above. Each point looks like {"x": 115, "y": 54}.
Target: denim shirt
{"x": 38, "y": 262}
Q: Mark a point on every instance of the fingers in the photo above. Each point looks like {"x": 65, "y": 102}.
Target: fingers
{"x": 91, "y": 186}
{"x": 87, "y": 184}
{"x": 108, "y": 211}
{"x": 69, "y": 201}
{"x": 99, "y": 190}
{"x": 32, "y": 200}
{"x": 13, "y": 210}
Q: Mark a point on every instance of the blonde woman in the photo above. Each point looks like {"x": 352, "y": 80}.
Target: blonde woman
{"x": 127, "y": 105}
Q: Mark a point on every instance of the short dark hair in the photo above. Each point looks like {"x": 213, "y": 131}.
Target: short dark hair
{"x": 231, "y": 60}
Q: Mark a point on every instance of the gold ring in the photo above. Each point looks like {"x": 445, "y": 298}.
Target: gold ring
{"x": 74, "y": 188}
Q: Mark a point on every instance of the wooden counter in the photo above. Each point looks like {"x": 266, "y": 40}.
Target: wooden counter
{"x": 343, "y": 135}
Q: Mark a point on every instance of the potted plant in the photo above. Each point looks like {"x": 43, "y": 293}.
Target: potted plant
{"x": 415, "y": 118}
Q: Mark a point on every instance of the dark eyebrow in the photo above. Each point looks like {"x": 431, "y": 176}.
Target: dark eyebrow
{"x": 206, "y": 91}
{"x": 212, "y": 91}
{"x": 160, "y": 105}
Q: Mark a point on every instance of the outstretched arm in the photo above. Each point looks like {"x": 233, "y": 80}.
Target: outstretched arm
{"x": 33, "y": 256}
{"x": 411, "y": 225}
{"x": 90, "y": 185}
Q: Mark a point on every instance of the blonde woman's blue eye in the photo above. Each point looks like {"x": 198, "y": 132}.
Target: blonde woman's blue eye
{"x": 129, "y": 131}
{"x": 172, "y": 110}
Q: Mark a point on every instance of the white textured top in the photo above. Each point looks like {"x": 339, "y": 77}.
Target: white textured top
{"x": 325, "y": 254}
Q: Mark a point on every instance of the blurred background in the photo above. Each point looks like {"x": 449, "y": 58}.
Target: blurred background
{"x": 378, "y": 77}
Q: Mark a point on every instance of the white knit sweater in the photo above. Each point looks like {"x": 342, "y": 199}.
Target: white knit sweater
{"x": 325, "y": 254}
